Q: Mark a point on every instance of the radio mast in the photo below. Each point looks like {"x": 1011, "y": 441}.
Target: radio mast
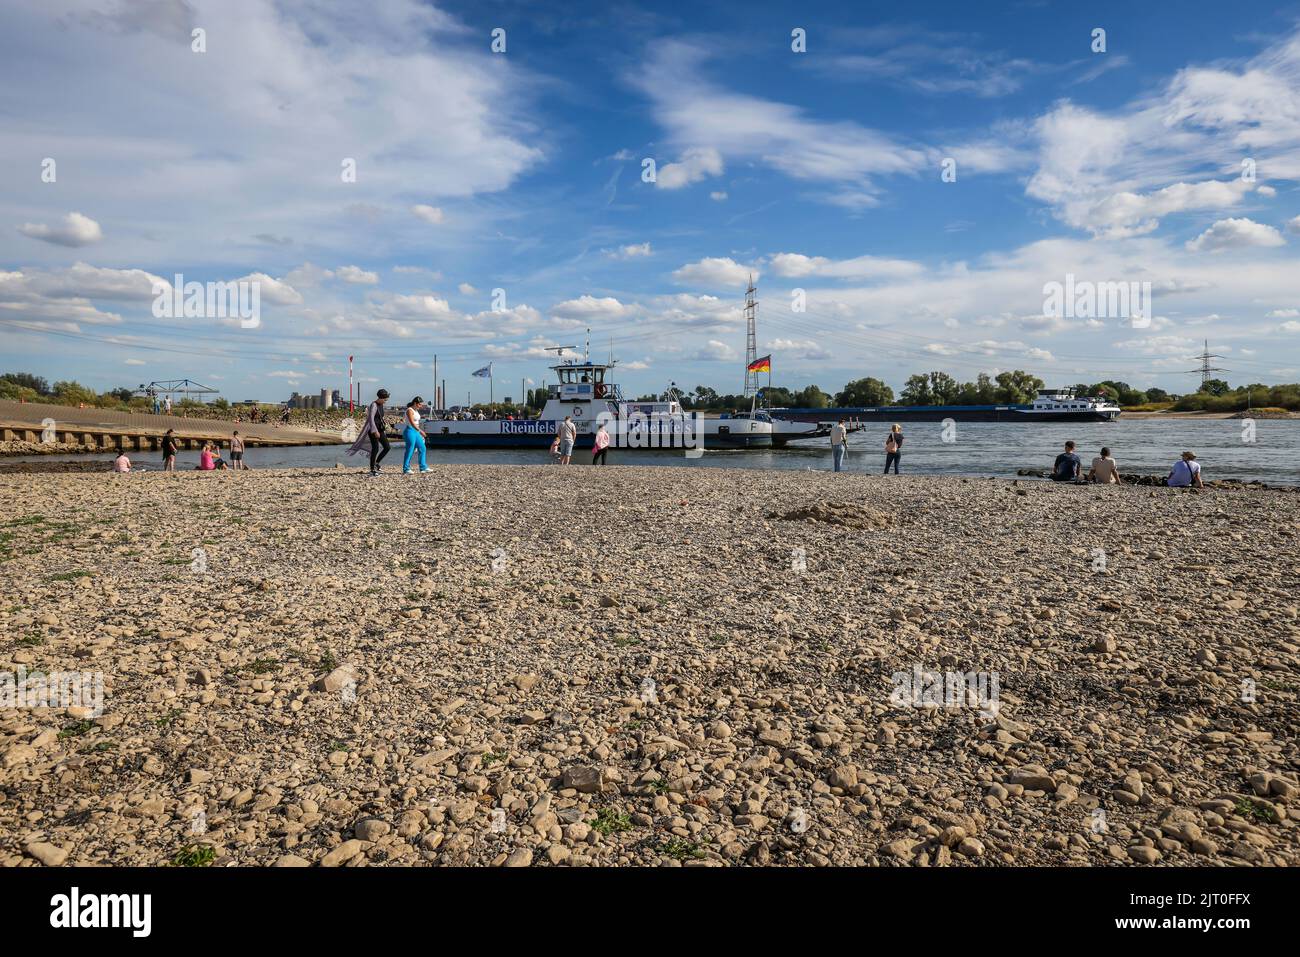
{"x": 751, "y": 339}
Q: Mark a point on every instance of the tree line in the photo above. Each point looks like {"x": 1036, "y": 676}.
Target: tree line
{"x": 926, "y": 388}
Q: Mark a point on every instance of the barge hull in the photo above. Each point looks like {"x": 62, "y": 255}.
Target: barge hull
{"x": 938, "y": 414}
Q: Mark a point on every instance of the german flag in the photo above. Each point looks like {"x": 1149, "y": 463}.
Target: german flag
{"x": 760, "y": 365}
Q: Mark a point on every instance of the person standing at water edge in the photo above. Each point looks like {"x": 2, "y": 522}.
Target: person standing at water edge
{"x": 413, "y": 436}
{"x": 839, "y": 444}
{"x": 1067, "y": 466}
{"x": 1185, "y": 473}
{"x": 894, "y": 448}
{"x": 237, "y": 452}
{"x": 1104, "y": 469}
{"x": 169, "y": 447}
{"x": 372, "y": 437}
{"x": 567, "y": 434}
{"x": 600, "y": 446}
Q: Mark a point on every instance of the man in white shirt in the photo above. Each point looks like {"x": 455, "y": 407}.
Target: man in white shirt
{"x": 839, "y": 444}
{"x": 568, "y": 434}
{"x": 1104, "y": 469}
{"x": 1186, "y": 472}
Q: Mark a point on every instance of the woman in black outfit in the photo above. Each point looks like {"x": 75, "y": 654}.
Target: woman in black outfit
{"x": 169, "y": 447}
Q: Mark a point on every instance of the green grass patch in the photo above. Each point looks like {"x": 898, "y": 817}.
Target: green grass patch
{"x": 68, "y": 576}
{"x": 194, "y": 856}
{"x": 681, "y": 850}
{"x": 609, "y": 820}
{"x": 1258, "y": 811}
{"x": 76, "y": 729}
{"x": 25, "y": 521}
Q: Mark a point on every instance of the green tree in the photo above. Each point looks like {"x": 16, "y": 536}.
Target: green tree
{"x": 1158, "y": 395}
{"x": 705, "y": 398}
{"x": 811, "y": 398}
{"x": 25, "y": 380}
{"x": 944, "y": 389}
{"x": 980, "y": 392}
{"x": 864, "y": 392}
{"x": 18, "y": 393}
{"x": 1215, "y": 387}
{"x": 917, "y": 391}
{"x": 1017, "y": 387}
{"x": 72, "y": 393}
{"x": 778, "y": 398}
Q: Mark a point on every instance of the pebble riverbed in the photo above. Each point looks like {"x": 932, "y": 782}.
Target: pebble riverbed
{"x": 501, "y": 665}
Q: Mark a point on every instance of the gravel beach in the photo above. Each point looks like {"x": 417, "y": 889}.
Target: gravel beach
{"x": 501, "y": 665}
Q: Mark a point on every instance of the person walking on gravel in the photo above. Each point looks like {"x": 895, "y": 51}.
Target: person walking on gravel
{"x": 372, "y": 437}
{"x": 413, "y": 436}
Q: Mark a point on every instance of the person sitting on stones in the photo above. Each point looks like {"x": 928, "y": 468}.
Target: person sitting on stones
{"x": 1185, "y": 473}
{"x": 1104, "y": 469}
{"x": 1067, "y": 465}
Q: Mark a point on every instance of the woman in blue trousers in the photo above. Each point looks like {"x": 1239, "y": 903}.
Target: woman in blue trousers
{"x": 413, "y": 436}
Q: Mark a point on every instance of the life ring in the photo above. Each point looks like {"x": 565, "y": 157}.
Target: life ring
{"x": 577, "y": 411}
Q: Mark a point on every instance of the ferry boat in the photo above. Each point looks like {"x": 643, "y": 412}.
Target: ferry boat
{"x": 585, "y": 393}
{"x": 1051, "y": 405}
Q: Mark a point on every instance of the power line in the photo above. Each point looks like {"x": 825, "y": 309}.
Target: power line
{"x": 1206, "y": 368}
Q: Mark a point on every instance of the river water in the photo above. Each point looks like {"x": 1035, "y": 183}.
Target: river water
{"x": 1144, "y": 446}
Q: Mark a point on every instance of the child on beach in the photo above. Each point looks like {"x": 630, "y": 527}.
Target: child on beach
{"x": 121, "y": 463}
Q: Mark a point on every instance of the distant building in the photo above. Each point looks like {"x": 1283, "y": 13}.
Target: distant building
{"x": 326, "y": 400}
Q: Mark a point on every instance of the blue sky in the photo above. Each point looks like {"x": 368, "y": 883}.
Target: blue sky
{"x": 522, "y": 172}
